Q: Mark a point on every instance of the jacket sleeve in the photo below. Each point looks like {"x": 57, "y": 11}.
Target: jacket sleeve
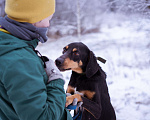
{"x": 30, "y": 96}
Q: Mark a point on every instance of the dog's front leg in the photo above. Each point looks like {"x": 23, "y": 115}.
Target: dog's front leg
{"x": 70, "y": 99}
{"x": 70, "y": 90}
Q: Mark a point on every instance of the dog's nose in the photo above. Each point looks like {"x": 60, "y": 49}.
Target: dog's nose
{"x": 59, "y": 62}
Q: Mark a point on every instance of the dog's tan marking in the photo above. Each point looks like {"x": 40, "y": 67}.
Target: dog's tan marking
{"x": 78, "y": 70}
{"x": 70, "y": 99}
{"x": 67, "y": 47}
{"x": 88, "y": 93}
{"x": 80, "y": 63}
{"x": 74, "y": 49}
{"x": 70, "y": 89}
{"x": 75, "y": 66}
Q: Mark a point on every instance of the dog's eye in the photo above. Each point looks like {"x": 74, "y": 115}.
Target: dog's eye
{"x": 76, "y": 53}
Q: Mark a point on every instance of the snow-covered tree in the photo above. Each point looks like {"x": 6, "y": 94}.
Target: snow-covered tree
{"x": 78, "y": 19}
{"x": 92, "y": 13}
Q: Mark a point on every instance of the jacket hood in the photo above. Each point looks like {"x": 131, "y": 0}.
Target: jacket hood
{"x": 9, "y": 43}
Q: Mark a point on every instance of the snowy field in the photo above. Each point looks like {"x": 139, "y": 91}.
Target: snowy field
{"x": 125, "y": 44}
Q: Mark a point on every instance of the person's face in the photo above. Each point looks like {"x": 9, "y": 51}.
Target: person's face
{"x": 44, "y": 23}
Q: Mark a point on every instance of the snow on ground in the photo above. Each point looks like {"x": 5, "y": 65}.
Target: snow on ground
{"x": 126, "y": 47}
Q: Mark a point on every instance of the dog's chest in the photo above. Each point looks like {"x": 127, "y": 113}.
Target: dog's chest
{"x": 84, "y": 83}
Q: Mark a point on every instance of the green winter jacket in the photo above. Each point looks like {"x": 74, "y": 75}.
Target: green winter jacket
{"x": 24, "y": 92}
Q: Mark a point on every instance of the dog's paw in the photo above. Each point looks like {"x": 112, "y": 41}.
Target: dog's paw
{"x": 69, "y": 99}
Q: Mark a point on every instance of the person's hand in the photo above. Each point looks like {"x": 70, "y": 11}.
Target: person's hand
{"x": 52, "y": 71}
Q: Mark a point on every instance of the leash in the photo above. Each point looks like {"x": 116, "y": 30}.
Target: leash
{"x": 43, "y": 58}
{"x": 78, "y": 116}
{"x": 101, "y": 59}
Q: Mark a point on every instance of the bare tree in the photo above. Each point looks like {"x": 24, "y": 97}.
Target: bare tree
{"x": 130, "y": 6}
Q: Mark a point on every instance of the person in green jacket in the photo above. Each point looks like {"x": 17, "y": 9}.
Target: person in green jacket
{"x": 28, "y": 91}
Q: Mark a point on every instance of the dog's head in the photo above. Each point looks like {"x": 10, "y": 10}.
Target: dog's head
{"x": 78, "y": 58}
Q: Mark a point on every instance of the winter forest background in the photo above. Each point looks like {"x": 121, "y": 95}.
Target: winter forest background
{"x": 117, "y": 30}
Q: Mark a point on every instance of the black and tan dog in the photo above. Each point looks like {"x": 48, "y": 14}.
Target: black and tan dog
{"x": 89, "y": 79}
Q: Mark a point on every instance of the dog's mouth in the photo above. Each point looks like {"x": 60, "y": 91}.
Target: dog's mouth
{"x": 62, "y": 69}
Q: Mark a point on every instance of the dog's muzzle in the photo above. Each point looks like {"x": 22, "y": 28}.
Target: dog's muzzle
{"x": 59, "y": 61}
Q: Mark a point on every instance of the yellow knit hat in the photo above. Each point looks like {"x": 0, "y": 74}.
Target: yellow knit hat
{"x": 30, "y": 11}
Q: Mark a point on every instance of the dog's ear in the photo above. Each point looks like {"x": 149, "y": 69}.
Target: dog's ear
{"x": 92, "y": 66}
